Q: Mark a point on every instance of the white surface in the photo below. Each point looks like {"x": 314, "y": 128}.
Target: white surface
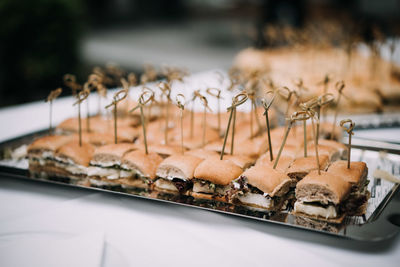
{"x": 77, "y": 224}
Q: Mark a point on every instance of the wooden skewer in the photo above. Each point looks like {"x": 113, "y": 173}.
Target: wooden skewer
{"x": 216, "y": 93}
{"x": 322, "y": 101}
{"x": 286, "y": 94}
{"x": 236, "y": 101}
{"x": 82, "y": 95}
{"x": 339, "y": 86}
{"x": 143, "y": 101}
{"x": 166, "y": 90}
{"x": 180, "y": 102}
{"x": 308, "y": 107}
{"x": 266, "y": 107}
{"x": 298, "y": 115}
{"x": 118, "y": 97}
{"x": 196, "y": 94}
{"x": 206, "y": 107}
{"x": 349, "y": 130}
{"x": 53, "y": 95}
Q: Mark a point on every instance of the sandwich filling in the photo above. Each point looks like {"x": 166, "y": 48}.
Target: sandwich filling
{"x": 316, "y": 209}
{"x": 172, "y": 180}
{"x": 207, "y": 187}
{"x": 251, "y": 196}
{"x": 49, "y": 159}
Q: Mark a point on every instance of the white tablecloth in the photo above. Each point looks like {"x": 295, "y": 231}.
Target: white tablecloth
{"x": 41, "y": 224}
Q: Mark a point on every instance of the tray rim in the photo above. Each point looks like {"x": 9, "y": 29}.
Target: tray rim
{"x": 376, "y": 216}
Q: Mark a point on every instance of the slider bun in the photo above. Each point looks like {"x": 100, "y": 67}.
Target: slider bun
{"x": 165, "y": 150}
{"x": 51, "y": 142}
{"x": 325, "y": 188}
{"x": 308, "y": 164}
{"x": 355, "y": 175}
{"x": 216, "y": 171}
{"x": 179, "y": 166}
{"x": 342, "y": 148}
{"x": 201, "y": 153}
{"x": 144, "y": 163}
{"x": 112, "y": 152}
{"x": 283, "y": 164}
{"x": 252, "y": 148}
{"x": 81, "y": 155}
{"x": 96, "y": 139}
{"x": 268, "y": 180}
{"x": 332, "y": 153}
{"x": 242, "y": 161}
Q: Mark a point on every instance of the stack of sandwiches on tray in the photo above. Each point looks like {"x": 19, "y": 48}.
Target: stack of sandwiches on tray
{"x": 195, "y": 169}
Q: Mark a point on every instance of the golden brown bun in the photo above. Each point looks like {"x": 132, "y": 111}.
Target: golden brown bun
{"x": 342, "y": 148}
{"x": 268, "y": 180}
{"x": 252, "y": 148}
{"x": 96, "y": 139}
{"x": 113, "y": 152}
{"x": 51, "y": 142}
{"x": 324, "y": 188}
{"x": 220, "y": 172}
{"x": 331, "y": 152}
{"x": 165, "y": 150}
{"x": 283, "y": 164}
{"x": 240, "y": 160}
{"x": 355, "y": 175}
{"x": 180, "y": 166}
{"x": 145, "y": 163}
{"x": 308, "y": 164}
{"x": 201, "y": 153}
{"x": 79, "y": 154}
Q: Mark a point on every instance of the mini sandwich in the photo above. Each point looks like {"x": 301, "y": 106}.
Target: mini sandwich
{"x": 322, "y": 196}
{"x": 243, "y": 162}
{"x": 105, "y": 166}
{"x": 175, "y": 174}
{"x": 342, "y": 148}
{"x": 357, "y": 201}
{"x": 139, "y": 169}
{"x": 42, "y": 151}
{"x": 330, "y": 151}
{"x": 300, "y": 167}
{"x": 70, "y": 161}
{"x": 201, "y": 153}
{"x": 261, "y": 188}
{"x": 252, "y": 148}
{"x": 283, "y": 163}
{"x": 212, "y": 179}
{"x": 165, "y": 150}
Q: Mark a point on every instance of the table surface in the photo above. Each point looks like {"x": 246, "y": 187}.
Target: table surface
{"x": 129, "y": 231}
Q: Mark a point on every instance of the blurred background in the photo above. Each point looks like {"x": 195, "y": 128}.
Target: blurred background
{"x": 42, "y": 40}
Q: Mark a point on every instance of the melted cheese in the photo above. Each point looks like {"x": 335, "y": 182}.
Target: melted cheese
{"x": 255, "y": 199}
{"x": 328, "y": 212}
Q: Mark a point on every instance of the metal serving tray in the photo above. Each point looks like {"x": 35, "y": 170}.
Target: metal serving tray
{"x": 381, "y": 221}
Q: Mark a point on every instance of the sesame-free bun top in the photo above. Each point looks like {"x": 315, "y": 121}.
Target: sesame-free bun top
{"x": 283, "y": 163}
{"x": 165, "y": 150}
{"x": 51, "y": 142}
{"x": 201, "y": 153}
{"x": 216, "y": 171}
{"x": 324, "y": 188}
{"x": 308, "y": 164}
{"x": 355, "y": 175}
{"x": 112, "y": 152}
{"x": 268, "y": 180}
{"x": 138, "y": 160}
{"x": 81, "y": 155}
{"x": 240, "y": 160}
{"x": 178, "y": 166}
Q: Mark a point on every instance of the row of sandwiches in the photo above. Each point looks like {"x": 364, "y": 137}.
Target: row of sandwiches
{"x": 244, "y": 179}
